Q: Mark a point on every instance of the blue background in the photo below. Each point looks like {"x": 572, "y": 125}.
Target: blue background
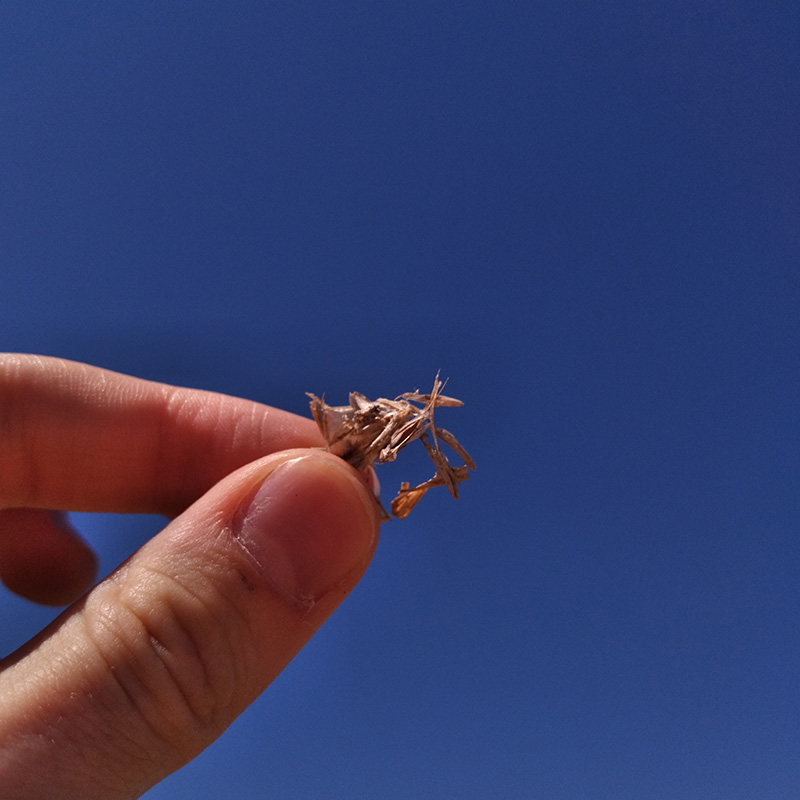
{"x": 584, "y": 214}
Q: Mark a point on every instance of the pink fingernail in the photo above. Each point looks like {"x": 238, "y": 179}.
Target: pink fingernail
{"x": 308, "y": 526}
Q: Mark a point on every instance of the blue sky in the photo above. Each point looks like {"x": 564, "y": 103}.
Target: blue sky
{"x": 586, "y": 216}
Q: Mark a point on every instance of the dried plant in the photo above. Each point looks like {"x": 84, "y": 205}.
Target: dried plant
{"x": 370, "y": 432}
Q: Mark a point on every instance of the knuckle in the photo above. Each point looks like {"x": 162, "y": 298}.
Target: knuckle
{"x": 176, "y": 655}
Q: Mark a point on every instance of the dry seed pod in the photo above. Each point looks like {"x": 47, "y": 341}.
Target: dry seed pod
{"x": 368, "y": 432}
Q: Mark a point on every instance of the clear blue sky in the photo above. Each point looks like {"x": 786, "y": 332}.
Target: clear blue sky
{"x": 586, "y": 215}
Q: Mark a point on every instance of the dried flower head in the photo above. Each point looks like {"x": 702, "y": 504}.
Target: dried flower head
{"x": 368, "y": 432}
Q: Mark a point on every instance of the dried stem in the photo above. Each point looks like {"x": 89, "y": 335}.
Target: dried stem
{"x": 370, "y": 432}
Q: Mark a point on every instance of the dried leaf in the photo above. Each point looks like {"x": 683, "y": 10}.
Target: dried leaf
{"x": 368, "y": 432}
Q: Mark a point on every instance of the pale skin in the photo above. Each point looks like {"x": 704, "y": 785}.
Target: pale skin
{"x": 267, "y": 535}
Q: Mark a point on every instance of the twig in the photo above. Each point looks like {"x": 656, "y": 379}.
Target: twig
{"x": 370, "y": 432}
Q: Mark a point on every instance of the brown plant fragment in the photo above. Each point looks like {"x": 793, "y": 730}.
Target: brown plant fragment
{"x": 368, "y": 432}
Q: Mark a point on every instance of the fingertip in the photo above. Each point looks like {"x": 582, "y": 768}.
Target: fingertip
{"x": 310, "y": 525}
{"x": 42, "y": 558}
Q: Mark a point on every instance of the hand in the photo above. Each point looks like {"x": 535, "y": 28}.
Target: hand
{"x": 157, "y": 660}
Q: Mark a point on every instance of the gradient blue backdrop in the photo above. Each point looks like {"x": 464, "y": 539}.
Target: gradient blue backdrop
{"x": 586, "y": 215}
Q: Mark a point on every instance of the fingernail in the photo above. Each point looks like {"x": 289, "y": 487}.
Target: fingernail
{"x": 309, "y": 524}
{"x": 373, "y": 483}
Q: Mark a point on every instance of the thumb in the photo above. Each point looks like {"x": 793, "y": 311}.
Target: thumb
{"x": 160, "y": 658}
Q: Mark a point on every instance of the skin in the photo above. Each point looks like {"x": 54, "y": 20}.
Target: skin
{"x": 148, "y": 667}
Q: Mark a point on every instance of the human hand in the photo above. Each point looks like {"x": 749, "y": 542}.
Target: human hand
{"x": 267, "y": 537}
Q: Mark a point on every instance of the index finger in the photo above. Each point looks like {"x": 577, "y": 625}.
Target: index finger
{"x": 81, "y": 438}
